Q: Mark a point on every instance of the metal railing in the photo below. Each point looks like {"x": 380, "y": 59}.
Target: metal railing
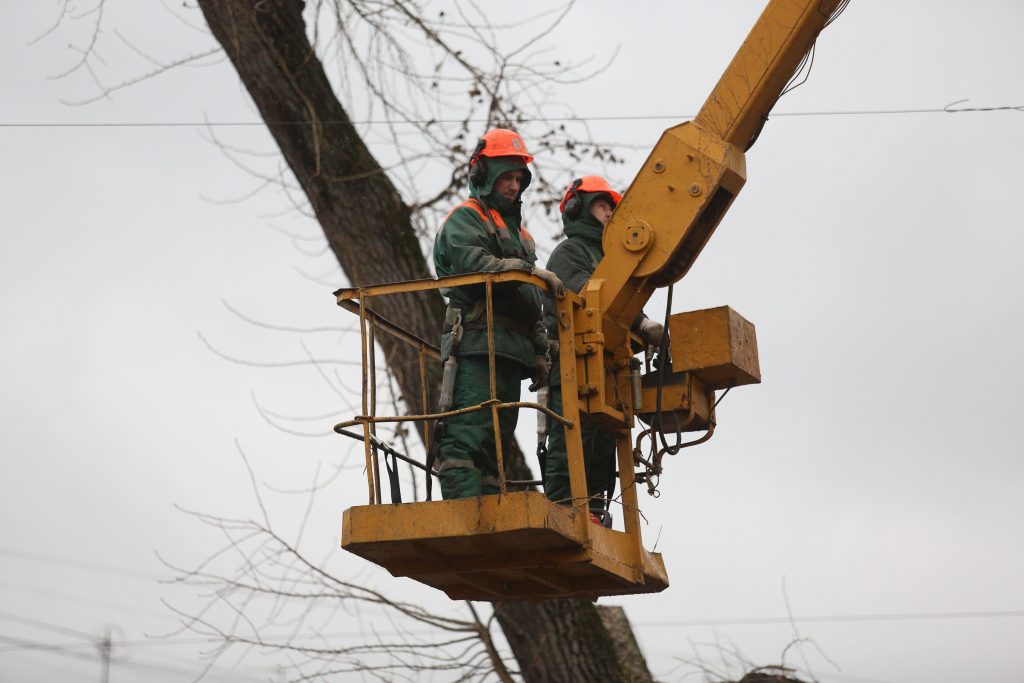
{"x": 358, "y": 300}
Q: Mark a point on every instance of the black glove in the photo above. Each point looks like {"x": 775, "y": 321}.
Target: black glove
{"x": 540, "y": 374}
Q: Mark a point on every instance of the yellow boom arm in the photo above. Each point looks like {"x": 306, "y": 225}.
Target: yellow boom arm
{"x": 682, "y": 191}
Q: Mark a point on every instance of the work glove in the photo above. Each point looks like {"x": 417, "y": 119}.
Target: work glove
{"x": 540, "y": 374}
{"x": 552, "y": 281}
{"x": 513, "y": 264}
{"x": 652, "y": 333}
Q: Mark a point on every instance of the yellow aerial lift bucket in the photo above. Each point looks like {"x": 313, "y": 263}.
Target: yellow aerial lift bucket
{"x": 510, "y": 546}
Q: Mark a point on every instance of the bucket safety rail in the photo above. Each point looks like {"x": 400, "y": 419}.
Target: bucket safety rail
{"x": 358, "y": 300}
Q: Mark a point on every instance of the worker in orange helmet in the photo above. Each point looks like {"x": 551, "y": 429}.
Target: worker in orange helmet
{"x": 587, "y": 206}
{"x": 485, "y": 234}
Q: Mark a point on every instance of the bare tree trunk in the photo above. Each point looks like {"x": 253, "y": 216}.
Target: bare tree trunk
{"x": 627, "y": 650}
{"x": 367, "y": 225}
{"x": 370, "y": 231}
{"x": 579, "y": 642}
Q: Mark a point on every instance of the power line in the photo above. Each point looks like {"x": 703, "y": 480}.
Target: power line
{"x": 29, "y": 645}
{"x": 82, "y": 600}
{"x": 839, "y": 618}
{"x": 46, "y": 626}
{"x": 33, "y": 645}
{"x": 905, "y": 616}
{"x": 78, "y": 645}
{"x": 83, "y": 564}
{"x": 275, "y": 640}
{"x": 835, "y": 618}
{"x": 948, "y": 109}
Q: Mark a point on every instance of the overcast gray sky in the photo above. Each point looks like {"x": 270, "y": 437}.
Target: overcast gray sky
{"x": 877, "y": 468}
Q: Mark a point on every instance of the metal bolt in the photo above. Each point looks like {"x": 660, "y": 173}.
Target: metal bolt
{"x": 695, "y": 190}
{"x": 659, "y": 166}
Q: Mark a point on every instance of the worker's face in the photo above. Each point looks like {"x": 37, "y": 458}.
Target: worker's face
{"x": 509, "y": 183}
{"x": 601, "y": 209}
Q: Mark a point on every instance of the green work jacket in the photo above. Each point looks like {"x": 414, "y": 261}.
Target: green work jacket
{"x": 485, "y": 234}
{"x": 574, "y": 261}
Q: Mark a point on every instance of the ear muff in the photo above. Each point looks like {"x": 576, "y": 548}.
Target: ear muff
{"x": 572, "y": 203}
{"x": 478, "y": 165}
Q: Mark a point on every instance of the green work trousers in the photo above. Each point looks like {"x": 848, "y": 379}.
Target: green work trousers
{"x": 598, "y": 458}
{"x": 469, "y": 463}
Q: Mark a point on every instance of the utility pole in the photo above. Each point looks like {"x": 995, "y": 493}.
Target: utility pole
{"x": 105, "y": 645}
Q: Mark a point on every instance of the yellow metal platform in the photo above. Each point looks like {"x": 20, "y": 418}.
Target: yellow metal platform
{"x": 510, "y": 547}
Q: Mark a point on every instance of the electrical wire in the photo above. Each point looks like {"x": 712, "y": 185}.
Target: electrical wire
{"x": 807, "y": 61}
{"x": 138, "y": 665}
{"x": 89, "y": 639}
{"x": 835, "y": 15}
{"x": 838, "y": 618}
{"x": 46, "y": 626}
{"x": 179, "y": 642}
{"x": 83, "y": 564}
{"x": 569, "y": 119}
{"x": 726, "y": 393}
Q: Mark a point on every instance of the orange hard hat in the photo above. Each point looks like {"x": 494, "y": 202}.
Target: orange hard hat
{"x": 501, "y": 142}
{"x": 588, "y": 183}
